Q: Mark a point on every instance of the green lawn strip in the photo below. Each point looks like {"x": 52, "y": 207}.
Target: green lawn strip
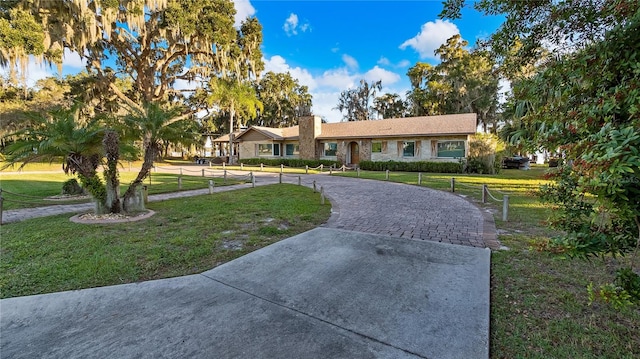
{"x": 540, "y": 309}
{"x": 23, "y": 190}
{"x": 539, "y": 301}
{"x": 185, "y": 236}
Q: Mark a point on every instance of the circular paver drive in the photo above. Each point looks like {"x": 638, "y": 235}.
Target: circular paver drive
{"x": 406, "y": 211}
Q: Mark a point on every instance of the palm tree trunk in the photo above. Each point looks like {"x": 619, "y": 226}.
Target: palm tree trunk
{"x": 133, "y": 196}
{"x": 111, "y": 144}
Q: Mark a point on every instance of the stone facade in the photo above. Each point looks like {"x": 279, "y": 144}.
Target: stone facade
{"x": 428, "y": 139}
{"x": 310, "y": 128}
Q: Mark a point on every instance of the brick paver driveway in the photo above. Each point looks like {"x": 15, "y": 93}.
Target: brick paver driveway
{"x": 362, "y": 205}
{"x": 406, "y": 211}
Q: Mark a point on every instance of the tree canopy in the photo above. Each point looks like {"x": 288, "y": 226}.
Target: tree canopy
{"x": 464, "y": 81}
{"x": 143, "y": 53}
{"x": 284, "y": 100}
{"x": 582, "y": 100}
{"x": 357, "y": 104}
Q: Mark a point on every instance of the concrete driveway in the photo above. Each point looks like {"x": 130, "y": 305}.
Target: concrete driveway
{"x": 326, "y": 293}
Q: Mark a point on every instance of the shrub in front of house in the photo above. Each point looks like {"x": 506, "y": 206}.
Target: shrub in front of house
{"x": 72, "y": 187}
{"x": 289, "y": 162}
{"x": 419, "y": 166}
{"x": 484, "y": 156}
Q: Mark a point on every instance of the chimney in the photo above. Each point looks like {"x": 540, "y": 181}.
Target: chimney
{"x": 309, "y": 128}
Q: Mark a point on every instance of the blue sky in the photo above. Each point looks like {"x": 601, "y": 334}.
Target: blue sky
{"x": 330, "y": 46}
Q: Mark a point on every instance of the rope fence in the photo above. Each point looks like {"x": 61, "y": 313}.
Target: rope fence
{"x": 282, "y": 177}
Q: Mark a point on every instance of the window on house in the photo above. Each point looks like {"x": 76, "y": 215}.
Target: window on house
{"x": 292, "y": 149}
{"x": 451, "y": 149}
{"x": 376, "y": 147}
{"x": 408, "y": 148}
{"x": 330, "y": 149}
{"x": 265, "y": 149}
{"x": 269, "y": 149}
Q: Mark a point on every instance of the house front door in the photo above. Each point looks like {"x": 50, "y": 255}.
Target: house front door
{"x": 355, "y": 153}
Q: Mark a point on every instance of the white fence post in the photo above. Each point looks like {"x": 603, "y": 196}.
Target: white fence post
{"x": 211, "y": 184}
{"x": 505, "y": 208}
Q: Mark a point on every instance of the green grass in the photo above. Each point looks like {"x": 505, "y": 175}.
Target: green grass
{"x": 22, "y": 190}
{"x": 540, "y": 307}
{"x": 539, "y": 304}
{"x": 185, "y": 236}
{"x": 539, "y": 301}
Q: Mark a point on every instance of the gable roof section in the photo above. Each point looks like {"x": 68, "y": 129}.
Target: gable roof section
{"x": 225, "y": 138}
{"x": 276, "y": 134}
{"x": 443, "y": 125}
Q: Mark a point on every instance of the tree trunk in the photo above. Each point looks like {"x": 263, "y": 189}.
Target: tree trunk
{"x": 132, "y": 197}
{"x": 231, "y": 115}
{"x": 111, "y": 145}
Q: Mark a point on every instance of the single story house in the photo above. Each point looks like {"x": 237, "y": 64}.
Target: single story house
{"x": 425, "y": 138}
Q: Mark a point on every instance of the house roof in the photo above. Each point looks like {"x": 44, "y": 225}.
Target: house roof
{"x": 459, "y": 124}
{"x": 278, "y": 134}
{"x": 442, "y": 125}
{"x": 225, "y": 138}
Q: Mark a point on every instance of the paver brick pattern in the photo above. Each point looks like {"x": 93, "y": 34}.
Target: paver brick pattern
{"x": 361, "y": 205}
{"x": 405, "y": 211}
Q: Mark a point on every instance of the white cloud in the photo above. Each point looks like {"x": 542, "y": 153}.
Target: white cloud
{"x": 384, "y": 61}
{"x": 351, "y": 62}
{"x": 325, "y": 88}
{"x": 291, "y": 27}
{"x": 244, "y": 9}
{"x": 279, "y": 65}
{"x": 35, "y": 71}
{"x": 403, "y": 63}
{"x": 324, "y": 104}
{"x": 430, "y": 37}
{"x": 73, "y": 60}
{"x": 339, "y": 79}
{"x": 380, "y": 74}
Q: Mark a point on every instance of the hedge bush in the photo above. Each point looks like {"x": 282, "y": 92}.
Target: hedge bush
{"x": 289, "y": 162}
{"x": 420, "y": 166}
{"x": 72, "y": 187}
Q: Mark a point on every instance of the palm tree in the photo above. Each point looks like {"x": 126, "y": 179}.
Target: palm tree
{"x": 154, "y": 126}
{"x": 236, "y": 98}
{"x": 59, "y": 135}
